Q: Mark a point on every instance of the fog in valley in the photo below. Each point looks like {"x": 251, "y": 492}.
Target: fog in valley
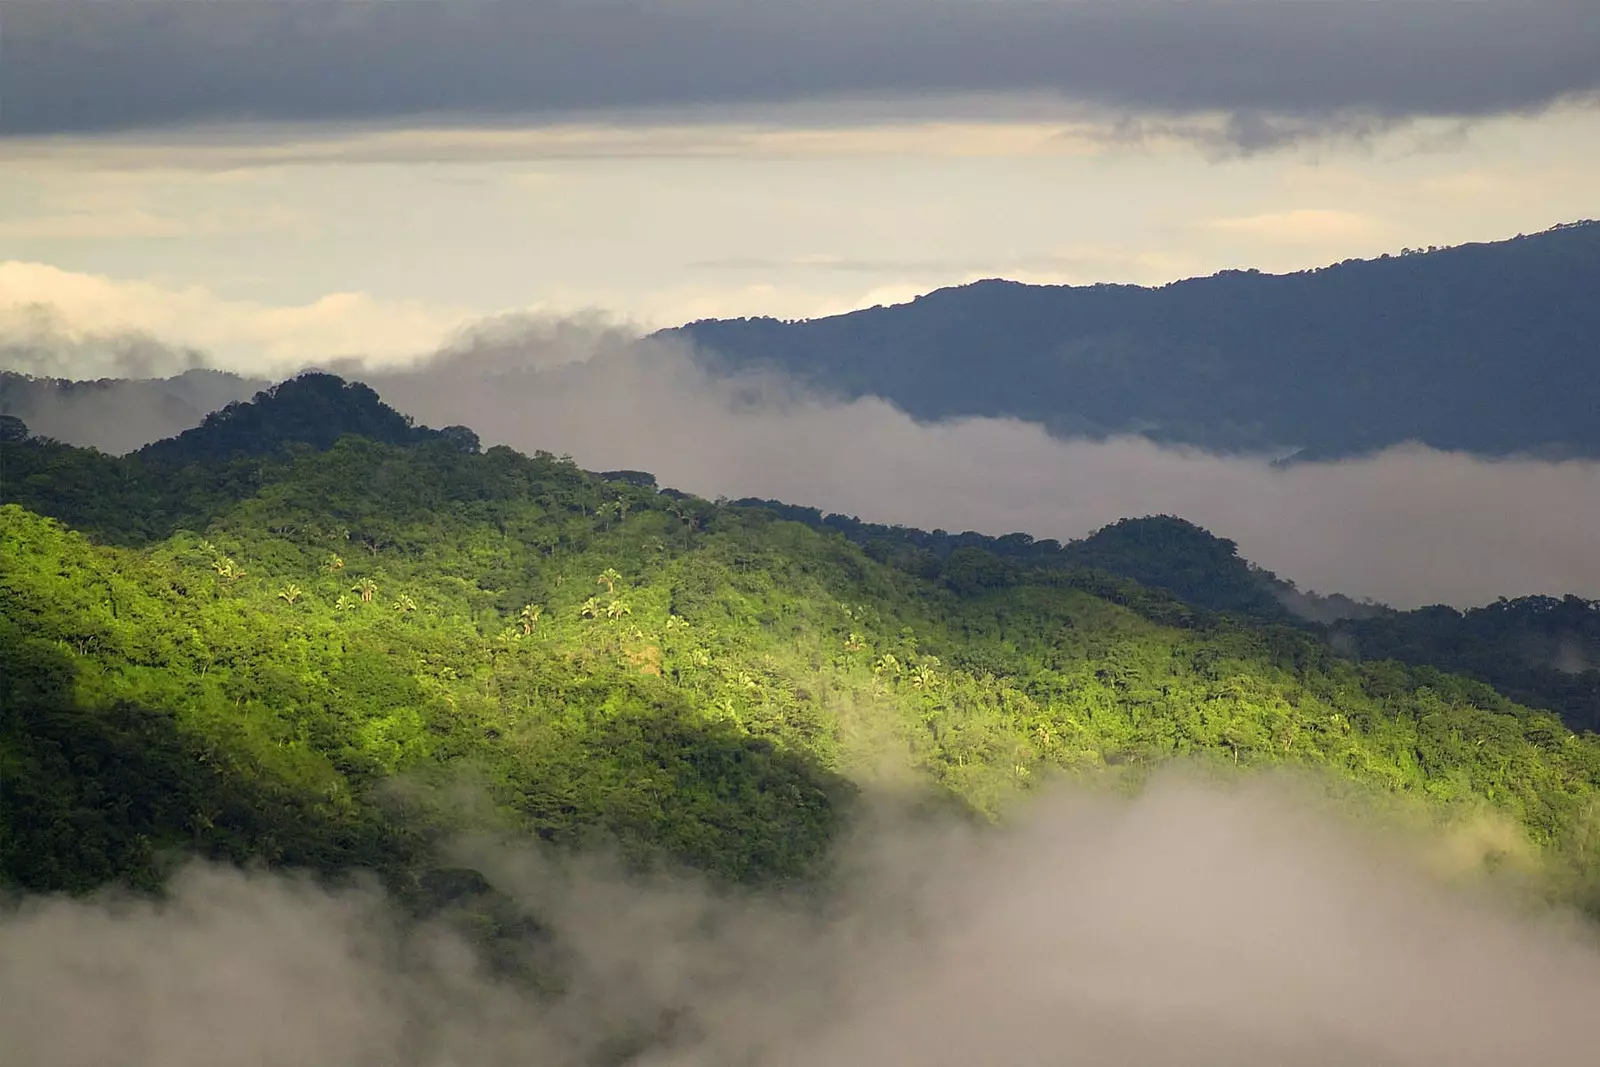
{"x": 1192, "y": 926}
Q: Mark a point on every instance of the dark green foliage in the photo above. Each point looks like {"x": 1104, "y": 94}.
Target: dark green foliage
{"x": 970, "y": 571}
{"x": 1159, "y": 551}
{"x": 92, "y": 793}
{"x": 315, "y": 409}
{"x": 1169, "y": 553}
{"x": 639, "y": 478}
{"x": 1540, "y": 651}
{"x": 1487, "y": 348}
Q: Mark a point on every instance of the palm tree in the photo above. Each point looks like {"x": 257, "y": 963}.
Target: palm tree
{"x": 590, "y": 608}
{"x": 529, "y": 615}
{"x": 618, "y": 608}
{"x": 367, "y": 588}
{"x": 404, "y": 604}
{"x": 887, "y": 664}
{"x": 923, "y": 677}
{"x": 609, "y": 578}
{"x": 289, "y": 593}
{"x": 344, "y": 603}
{"x": 334, "y": 563}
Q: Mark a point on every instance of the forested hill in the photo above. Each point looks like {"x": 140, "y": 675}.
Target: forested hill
{"x": 239, "y": 654}
{"x": 1488, "y": 348}
{"x": 1541, "y": 651}
{"x": 1159, "y": 551}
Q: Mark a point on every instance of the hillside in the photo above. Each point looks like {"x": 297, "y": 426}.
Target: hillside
{"x": 243, "y": 657}
{"x": 1488, "y": 348}
{"x": 1540, "y": 651}
{"x": 1160, "y": 551}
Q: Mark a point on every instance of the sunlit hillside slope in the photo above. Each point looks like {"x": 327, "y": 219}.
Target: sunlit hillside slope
{"x": 332, "y": 654}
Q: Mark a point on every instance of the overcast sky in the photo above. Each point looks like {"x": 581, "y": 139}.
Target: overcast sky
{"x": 75, "y": 66}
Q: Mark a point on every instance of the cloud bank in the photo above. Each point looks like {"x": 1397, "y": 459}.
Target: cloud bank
{"x": 1190, "y": 927}
{"x": 1409, "y": 526}
{"x": 1280, "y": 69}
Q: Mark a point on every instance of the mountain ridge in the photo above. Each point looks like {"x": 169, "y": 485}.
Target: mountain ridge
{"x": 1487, "y": 348}
{"x": 1511, "y": 645}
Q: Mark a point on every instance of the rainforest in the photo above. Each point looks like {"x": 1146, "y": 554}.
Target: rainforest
{"x": 287, "y": 635}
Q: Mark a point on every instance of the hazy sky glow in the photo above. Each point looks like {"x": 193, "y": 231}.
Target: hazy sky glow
{"x": 270, "y": 247}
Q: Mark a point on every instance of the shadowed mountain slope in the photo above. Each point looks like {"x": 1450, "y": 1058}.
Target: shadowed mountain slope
{"x": 1487, "y": 348}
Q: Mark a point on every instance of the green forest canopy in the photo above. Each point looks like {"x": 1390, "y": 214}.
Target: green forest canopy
{"x": 267, "y": 638}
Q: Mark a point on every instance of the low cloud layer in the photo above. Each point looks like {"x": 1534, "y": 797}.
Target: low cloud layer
{"x": 1410, "y": 526}
{"x": 1190, "y": 927}
{"x": 1281, "y": 68}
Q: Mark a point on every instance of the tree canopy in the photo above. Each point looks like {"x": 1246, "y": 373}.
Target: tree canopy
{"x": 284, "y": 640}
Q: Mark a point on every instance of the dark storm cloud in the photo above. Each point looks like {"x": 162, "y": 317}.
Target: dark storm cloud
{"x": 1274, "y": 65}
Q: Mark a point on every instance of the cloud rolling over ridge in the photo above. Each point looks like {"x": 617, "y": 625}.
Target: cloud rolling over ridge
{"x": 1408, "y": 526}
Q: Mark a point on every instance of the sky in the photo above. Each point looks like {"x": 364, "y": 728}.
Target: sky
{"x": 277, "y": 183}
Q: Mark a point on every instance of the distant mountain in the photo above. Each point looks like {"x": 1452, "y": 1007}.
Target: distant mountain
{"x": 118, "y": 415}
{"x": 1487, "y": 348}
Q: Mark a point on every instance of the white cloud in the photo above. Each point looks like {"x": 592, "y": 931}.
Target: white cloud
{"x": 1190, "y": 926}
{"x": 41, "y": 304}
{"x": 1410, "y": 526}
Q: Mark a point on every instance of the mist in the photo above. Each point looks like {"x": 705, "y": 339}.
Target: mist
{"x": 1408, "y": 527}
{"x": 1191, "y": 926}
